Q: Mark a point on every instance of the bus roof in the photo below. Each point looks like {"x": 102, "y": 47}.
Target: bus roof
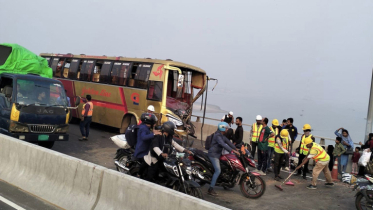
{"x": 120, "y": 58}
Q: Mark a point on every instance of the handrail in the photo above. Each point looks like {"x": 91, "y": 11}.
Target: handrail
{"x": 320, "y": 137}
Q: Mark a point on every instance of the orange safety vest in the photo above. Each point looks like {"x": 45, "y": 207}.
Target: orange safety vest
{"x": 321, "y": 153}
{"x": 271, "y": 140}
{"x": 256, "y": 132}
{"x": 303, "y": 148}
{"x": 90, "y": 111}
{"x": 285, "y": 143}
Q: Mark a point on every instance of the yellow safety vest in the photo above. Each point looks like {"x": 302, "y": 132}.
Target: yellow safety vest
{"x": 285, "y": 142}
{"x": 303, "y": 148}
{"x": 271, "y": 140}
{"x": 90, "y": 111}
{"x": 321, "y": 155}
{"x": 256, "y": 132}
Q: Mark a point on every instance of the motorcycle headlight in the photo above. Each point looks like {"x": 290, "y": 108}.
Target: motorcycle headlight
{"x": 18, "y": 127}
{"x": 62, "y": 129}
{"x": 174, "y": 120}
{"x": 188, "y": 170}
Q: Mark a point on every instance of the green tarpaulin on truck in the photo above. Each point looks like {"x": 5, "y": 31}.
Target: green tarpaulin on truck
{"x": 18, "y": 60}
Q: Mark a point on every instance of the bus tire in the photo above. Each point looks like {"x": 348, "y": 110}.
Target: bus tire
{"x": 127, "y": 121}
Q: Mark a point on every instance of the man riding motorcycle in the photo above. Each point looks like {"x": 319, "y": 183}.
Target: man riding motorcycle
{"x": 158, "y": 151}
{"x": 144, "y": 139}
{"x": 218, "y": 142}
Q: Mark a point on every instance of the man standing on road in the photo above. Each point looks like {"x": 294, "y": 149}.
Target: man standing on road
{"x": 238, "y": 133}
{"x": 283, "y": 124}
{"x": 303, "y": 150}
{"x": 321, "y": 157}
{"x": 255, "y": 131}
{"x": 265, "y": 134}
{"x": 86, "y": 118}
{"x": 276, "y": 129}
{"x": 281, "y": 148}
{"x": 228, "y": 118}
{"x": 293, "y": 132}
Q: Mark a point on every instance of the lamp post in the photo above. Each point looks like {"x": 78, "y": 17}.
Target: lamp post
{"x": 368, "y": 128}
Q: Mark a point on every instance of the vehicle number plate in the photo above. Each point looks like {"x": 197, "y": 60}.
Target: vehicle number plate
{"x": 43, "y": 137}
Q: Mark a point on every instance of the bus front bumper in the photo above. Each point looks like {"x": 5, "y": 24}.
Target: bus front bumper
{"x": 40, "y": 137}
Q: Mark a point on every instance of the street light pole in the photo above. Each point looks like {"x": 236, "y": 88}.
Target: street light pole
{"x": 370, "y": 111}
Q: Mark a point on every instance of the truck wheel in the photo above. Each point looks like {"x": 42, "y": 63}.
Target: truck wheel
{"x": 47, "y": 144}
{"x": 128, "y": 120}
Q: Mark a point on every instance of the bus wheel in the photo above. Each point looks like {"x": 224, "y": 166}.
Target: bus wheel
{"x": 128, "y": 120}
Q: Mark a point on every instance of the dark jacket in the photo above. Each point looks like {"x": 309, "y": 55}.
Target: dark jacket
{"x": 219, "y": 141}
{"x": 144, "y": 140}
{"x": 238, "y": 135}
{"x": 293, "y": 132}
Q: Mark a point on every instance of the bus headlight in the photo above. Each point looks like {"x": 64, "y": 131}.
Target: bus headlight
{"x": 174, "y": 120}
{"x": 62, "y": 129}
{"x": 18, "y": 127}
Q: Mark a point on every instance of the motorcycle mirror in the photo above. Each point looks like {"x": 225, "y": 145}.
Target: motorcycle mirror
{"x": 77, "y": 101}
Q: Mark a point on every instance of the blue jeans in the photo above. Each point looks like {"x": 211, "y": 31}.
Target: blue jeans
{"x": 84, "y": 126}
{"x": 271, "y": 151}
{"x": 216, "y": 164}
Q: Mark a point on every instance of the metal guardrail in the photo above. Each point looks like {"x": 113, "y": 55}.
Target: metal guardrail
{"x": 322, "y": 139}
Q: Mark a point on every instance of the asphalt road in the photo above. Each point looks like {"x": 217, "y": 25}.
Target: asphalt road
{"x": 99, "y": 149}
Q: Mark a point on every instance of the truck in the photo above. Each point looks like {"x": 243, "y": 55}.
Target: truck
{"x": 33, "y": 107}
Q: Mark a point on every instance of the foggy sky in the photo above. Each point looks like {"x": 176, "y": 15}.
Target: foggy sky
{"x": 318, "y": 52}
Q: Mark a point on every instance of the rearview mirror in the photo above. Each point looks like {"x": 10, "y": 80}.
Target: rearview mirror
{"x": 77, "y": 101}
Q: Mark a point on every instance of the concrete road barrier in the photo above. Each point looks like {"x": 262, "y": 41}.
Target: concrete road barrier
{"x": 71, "y": 183}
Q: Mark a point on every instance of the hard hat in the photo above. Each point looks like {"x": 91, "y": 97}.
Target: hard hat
{"x": 306, "y": 127}
{"x": 284, "y": 133}
{"x": 230, "y": 113}
{"x": 258, "y": 117}
{"x": 308, "y": 140}
{"x": 151, "y": 108}
{"x": 223, "y": 126}
{"x": 275, "y": 122}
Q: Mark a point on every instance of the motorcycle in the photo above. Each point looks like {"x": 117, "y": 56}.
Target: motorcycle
{"x": 364, "y": 196}
{"x": 175, "y": 173}
{"x": 251, "y": 184}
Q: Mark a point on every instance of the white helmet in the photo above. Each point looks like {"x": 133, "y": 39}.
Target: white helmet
{"x": 151, "y": 108}
{"x": 230, "y": 113}
{"x": 259, "y": 117}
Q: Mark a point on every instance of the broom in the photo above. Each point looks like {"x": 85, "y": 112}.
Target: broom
{"x": 280, "y": 186}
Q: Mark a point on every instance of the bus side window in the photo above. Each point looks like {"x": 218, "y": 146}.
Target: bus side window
{"x": 86, "y": 70}
{"x": 74, "y": 65}
{"x": 142, "y": 75}
{"x": 155, "y": 90}
{"x": 56, "y": 66}
{"x": 66, "y": 68}
{"x": 119, "y": 73}
{"x": 97, "y": 72}
{"x": 105, "y": 72}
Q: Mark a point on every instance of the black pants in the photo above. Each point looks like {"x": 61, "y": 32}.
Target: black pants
{"x": 143, "y": 167}
{"x": 153, "y": 172}
{"x": 305, "y": 166}
{"x": 84, "y": 126}
{"x": 331, "y": 163}
{"x": 262, "y": 160}
{"x": 279, "y": 158}
{"x": 254, "y": 145}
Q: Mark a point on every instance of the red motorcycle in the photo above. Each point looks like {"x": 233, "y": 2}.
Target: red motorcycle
{"x": 251, "y": 184}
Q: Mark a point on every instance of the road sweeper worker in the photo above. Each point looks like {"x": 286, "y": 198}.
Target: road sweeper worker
{"x": 281, "y": 148}
{"x": 276, "y": 129}
{"x": 255, "y": 132}
{"x": 303, "y": 150}
{"x": 321, "y": 157}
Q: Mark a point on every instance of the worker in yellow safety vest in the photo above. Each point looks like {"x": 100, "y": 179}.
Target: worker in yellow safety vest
{"x": 255, "y": 132}
{"x": 321, "y": 157}
{"x": 303, "y": 150}
{"x": 281, "y": 148}
{"x": 275, "y": 128}
{"x": 86, "y": 118}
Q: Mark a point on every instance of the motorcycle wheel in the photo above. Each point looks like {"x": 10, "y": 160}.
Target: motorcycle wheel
{"x": 258, "y": 186}
{"x": 361, "y": 202}
{"x": 196, "y": 192}
{"x": 122, "y": 160}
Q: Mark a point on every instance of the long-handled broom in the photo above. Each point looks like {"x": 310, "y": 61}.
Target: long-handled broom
{"x": 289, "y": 182}
{"x": 280, "y": 186}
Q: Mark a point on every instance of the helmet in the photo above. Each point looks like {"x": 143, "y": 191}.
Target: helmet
{"x": 151, "y": 108}
{"x": 284, "y": 133}
{"x": 168, "y": 127}
{"x": 308, "y": 140}
{"x": 275, "y": 122}
{"x": 148, "y": 118}
{"x": 306, "y": 127}
{"x": 230, "y": 113}
{"x": 259, "y": 117}
{"x": 223, "y": 126}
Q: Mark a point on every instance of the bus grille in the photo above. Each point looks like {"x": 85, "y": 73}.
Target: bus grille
{"x": 42, "y": 128}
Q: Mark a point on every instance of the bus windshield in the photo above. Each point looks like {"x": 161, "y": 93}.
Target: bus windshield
{"x": 39, "y": 92}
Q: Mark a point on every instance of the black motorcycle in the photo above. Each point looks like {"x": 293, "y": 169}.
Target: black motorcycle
{"x": 364, "y": 196}
{"x": 176, "y": 172}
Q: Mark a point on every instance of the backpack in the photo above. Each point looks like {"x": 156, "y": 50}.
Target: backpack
{"x": 208, "y": 141}
{"x": 131, "y": 135}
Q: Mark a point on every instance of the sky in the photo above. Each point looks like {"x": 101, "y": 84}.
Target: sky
{"x": 311, "y": 60}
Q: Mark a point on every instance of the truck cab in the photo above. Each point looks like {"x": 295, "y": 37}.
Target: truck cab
{"x": 33, "y": 109}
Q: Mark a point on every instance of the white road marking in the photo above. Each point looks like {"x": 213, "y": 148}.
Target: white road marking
{"x": 9, "y": 203}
